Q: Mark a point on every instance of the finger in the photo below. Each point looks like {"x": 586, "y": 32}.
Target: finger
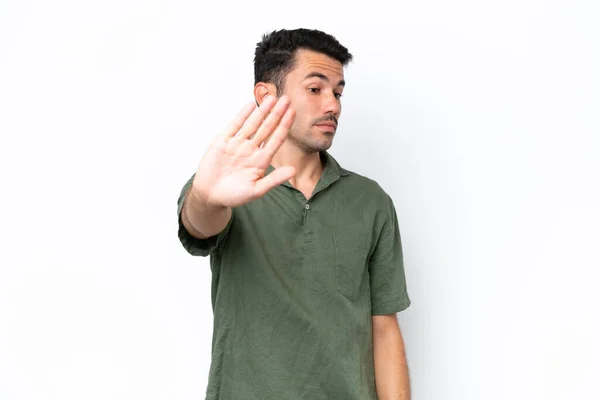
{"x": 275, "y": 178}
{"x": 274, "y": 142}
{"x": 239, "y": 120}
{"x": 271, "y": 122}
{"x": 257, "y": 118}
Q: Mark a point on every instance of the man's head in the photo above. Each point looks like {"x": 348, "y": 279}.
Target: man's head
{"x": 308, "y": 67}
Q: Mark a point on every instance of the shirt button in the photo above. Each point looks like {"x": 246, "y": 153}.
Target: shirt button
{"x": 307, "y": 206}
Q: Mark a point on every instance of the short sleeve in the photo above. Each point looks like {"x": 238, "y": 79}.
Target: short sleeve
{"x": 389, "y": 293}
{"x": 193, "y": 245}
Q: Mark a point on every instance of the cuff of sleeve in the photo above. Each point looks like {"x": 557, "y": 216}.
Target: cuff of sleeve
{"x": 193, "y": 245}
{"x": 390, "y": 307}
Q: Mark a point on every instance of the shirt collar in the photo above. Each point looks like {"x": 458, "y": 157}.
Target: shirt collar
{"x": 332, "y": 172}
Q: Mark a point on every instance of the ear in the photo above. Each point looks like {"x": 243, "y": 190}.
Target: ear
{"x": 262, "y": 89}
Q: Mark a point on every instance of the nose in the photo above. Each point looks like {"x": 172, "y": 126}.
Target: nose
{"x": 332, "y": 105}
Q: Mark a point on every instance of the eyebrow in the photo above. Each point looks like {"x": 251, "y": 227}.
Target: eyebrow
{"x": 323, "y": 77}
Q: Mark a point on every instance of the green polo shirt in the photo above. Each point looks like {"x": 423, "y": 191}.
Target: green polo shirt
{"x": 295, "y": 283}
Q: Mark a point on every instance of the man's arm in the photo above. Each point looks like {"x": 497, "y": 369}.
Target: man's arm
{"x": 202, "y": 220}
{"x": 232, "y": 171}
{"x": 391, "y": 369}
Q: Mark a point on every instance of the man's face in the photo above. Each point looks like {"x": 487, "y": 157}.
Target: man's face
{"x": 314, "y": 87}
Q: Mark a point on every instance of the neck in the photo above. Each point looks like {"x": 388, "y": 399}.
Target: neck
{"x": 308, "y": 165}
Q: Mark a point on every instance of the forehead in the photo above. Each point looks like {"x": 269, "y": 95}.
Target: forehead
{"x": 308, "y": 61}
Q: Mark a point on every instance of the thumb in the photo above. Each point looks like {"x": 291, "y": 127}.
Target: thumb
{"x": 275, "y": 178}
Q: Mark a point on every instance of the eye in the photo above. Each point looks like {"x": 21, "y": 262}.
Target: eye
{"x": 314, "y": 90}
{"x": 338, "y": 95}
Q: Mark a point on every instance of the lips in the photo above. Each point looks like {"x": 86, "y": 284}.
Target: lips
{"x": 328, "y": 124}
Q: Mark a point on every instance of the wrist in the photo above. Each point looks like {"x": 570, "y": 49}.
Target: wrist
{"x": 200, "y": 201}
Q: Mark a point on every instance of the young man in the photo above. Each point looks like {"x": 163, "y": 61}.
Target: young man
{"x": 306, "y": 257}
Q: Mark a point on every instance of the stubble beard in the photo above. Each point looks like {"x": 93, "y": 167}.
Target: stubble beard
{"x": 307, "y": 144}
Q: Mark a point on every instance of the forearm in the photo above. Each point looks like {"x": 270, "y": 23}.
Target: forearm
{"x": 391, "y": 368}
{"x": 202, "y": 220}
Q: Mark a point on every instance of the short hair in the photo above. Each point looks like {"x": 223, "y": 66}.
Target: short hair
{"x": 275, "y": 54}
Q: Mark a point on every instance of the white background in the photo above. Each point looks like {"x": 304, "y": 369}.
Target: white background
{"x": 481, "y": 119}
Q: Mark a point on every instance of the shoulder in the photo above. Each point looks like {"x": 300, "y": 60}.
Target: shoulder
{"x": 355, "y": 180}
{"x": 369, "y": 199}
{"x": 364, "y": 185}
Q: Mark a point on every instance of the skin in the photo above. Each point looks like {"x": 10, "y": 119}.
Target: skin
{"x": 392, "y": 379}
{"x": 287, "y": 133}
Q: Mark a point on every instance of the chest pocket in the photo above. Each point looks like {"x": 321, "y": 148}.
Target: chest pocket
{"x": 351, "y": 253}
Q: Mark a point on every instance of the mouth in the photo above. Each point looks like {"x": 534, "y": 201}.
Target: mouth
{"x": 327, "y": 126}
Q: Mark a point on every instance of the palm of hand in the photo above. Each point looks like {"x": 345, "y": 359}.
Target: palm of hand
{"x": 232, "y": 171}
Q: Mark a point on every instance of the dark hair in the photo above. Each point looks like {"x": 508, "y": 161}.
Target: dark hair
{"x": 274, "y": 57}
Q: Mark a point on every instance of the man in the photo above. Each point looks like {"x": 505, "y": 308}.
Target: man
{"x": 306, "y": 258}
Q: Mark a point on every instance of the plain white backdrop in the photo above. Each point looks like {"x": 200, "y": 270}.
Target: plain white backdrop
{"x": 480, "y": 119}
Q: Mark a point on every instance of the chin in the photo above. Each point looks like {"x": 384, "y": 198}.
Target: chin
{"x": 322, "y": 146}
{"x": 313, "y": 142}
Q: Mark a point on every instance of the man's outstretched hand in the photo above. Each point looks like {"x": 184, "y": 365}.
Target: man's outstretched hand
{"x": 232, "y": 171}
